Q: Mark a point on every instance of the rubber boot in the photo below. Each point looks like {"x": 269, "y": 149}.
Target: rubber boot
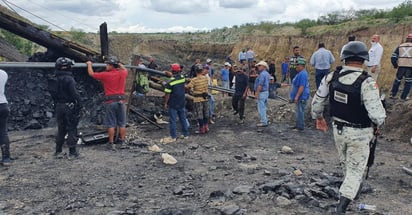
{"x": 59, "y": 151}
{"x": 342, "y": 206}
{"x": 201, "y": 127}
{"x": 73, "y": 152}
{"x": 206, "y": 124}
{"x": 5, "y": 155}
{"x": 59, "y": 148}
{"x": 206, "y": 127}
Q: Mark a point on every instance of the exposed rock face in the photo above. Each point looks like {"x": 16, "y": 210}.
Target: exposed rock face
{"x": 10, "y": 52}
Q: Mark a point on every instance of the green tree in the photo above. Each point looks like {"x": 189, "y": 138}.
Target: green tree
{"x": 401, "y": 11}
{"x": 304, "y": 24}
{"x": 24, "y": 46}
{"x": 78, "y": 35}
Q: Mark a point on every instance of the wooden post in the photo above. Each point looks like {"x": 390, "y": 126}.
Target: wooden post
{"x": 104, "y": 40}
{"x": 44, "y": 38}
{"x": 131, "y": 78}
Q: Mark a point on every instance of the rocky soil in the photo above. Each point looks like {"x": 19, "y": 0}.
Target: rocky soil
{"x": 231, "y": 170}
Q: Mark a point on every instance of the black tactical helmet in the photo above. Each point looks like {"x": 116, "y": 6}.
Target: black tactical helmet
{"x": 112, "y": 60}
{"x": 64, "y": 63}
{"x": 355, "y": 50}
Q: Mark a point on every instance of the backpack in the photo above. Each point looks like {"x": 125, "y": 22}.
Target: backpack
{"x": 53, "y": 87}
{"x": 142, "y": 83}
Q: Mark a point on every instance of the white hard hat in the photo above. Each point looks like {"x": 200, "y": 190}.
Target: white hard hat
{"x": 227, "y": 64}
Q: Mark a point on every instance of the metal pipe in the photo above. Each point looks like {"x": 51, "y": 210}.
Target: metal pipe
{"x": 100, "y": 65}
{"x": 76, "y": 65}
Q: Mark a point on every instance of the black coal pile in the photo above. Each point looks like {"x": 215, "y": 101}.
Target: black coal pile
{"x": 31, "y": 105}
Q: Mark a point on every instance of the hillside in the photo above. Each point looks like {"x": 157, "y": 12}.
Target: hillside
{"x": 276, "y": 44}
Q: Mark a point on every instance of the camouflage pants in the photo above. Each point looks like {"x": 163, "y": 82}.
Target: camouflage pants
{"x": 353, "y": 149}
{"x": 201, "y": 110}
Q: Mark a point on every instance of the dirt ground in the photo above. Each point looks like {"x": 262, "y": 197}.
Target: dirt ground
{"x": 231, "y": 170}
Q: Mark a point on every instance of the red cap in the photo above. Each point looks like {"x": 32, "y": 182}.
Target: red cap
{"x": 409, "y": 36}
{"x": 175, "y": 67}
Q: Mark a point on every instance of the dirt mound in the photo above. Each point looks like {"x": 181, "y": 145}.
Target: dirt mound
{"x": 398, "y": 123}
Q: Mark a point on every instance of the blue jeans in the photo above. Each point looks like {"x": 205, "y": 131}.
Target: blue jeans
{"x": 402, "y": 72}
{"x": 173, "y": 114}
{"x": 211, "y": 105}
{"x": 225, "y": 84}
{"x": 249, "y": 62}
{"x": 320, "y": 73}
{"x": 261, "y": 103}
{"x": 300, "y": 114}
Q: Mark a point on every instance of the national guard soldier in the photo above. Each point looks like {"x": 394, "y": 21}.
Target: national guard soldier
{"x": 357, "y": 113}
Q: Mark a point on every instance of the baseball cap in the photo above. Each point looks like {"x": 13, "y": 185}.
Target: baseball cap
{"x": 263, "y": 63}
{"x": 208, "y": 60}
{"x": 227, "y": 64}
{"x": 301, "y": 61}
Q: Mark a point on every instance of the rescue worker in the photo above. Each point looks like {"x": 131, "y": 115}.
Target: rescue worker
{"x": 175, "y": 103}
{"x": 402, "y": 60}
{"x": 300, "y": 93}
{"x": 199, "y": 89}
{"x": 114, "y": 82}
{"x": 4, "y": 114}
{"x": 357, "y": 113}
{"x": 68, "y": 106}
{"x": 262, "y": 92}
{"x": 239, "y": 98}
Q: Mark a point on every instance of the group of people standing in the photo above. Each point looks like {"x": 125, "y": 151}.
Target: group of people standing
{"x": 352, "y": 93}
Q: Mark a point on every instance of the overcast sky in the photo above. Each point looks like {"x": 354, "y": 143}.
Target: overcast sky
{"x": 142, "y": 16}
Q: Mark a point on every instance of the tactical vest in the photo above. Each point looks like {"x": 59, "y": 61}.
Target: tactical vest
{"x": 405, "y": 55}
{"x": 345, "y": 100}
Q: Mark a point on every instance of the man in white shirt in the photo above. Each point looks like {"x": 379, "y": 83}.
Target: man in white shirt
{"x": 4, "y": 114}
{"x": 375, "y": 56}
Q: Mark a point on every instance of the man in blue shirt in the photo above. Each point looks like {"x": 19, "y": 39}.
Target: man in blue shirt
{"x": 300, "y": 93}
{"x": 322, "y": 59}
{"x": 224, "y": 74}
{"x": 262, "y": 91}
{"x": 285, "y": 66}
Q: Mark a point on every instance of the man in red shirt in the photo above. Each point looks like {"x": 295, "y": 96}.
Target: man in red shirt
{"x": 114, "y": 82}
